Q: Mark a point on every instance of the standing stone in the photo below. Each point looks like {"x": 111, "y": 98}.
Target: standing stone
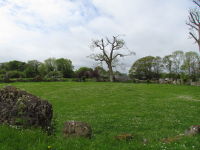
{"x": 20, "y": 108}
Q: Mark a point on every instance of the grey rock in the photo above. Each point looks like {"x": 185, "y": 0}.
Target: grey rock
{"x": 20, "y": 108}
{"x": 77, "y": 129}
{"x": 193, "y": 130}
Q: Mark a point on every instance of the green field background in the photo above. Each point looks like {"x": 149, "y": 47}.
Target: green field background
{"x": 148, "y": 111}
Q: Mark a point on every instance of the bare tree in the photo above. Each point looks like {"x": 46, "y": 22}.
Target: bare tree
{"x": 110, "y": 51}
{"x": 194, "y": 22}
{"x": 197, "y": 2}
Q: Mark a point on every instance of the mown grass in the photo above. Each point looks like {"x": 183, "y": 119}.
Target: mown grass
{"x": 149, "y": 111}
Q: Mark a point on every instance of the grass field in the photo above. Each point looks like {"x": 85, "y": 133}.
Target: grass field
{"x": 148, "y": 111}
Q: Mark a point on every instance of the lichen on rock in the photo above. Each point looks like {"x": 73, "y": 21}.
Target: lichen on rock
{"x": 18, "y": 107}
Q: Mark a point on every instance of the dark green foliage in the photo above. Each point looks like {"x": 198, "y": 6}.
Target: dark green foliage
{"x": 191, "y": 65}
{"x": 145, "y": 68}
{"x": 16, "y": 74}
{"x": 54, "y": 75}
{"x": 15, "y": 65}
{"x": 100, "y": 74}
{"x": 65, "y": 67}
{"x": 83, "y": 73}
{"x": 38, "y": 78}
{"x": 51, "y": 68}
{"x": 32, "y": 68}
{"x": 178, "y": 65}
{"x": 50, "y": 64}
{"x": 6, "y": 78}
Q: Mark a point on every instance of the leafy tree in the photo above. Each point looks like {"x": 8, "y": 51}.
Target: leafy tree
{"x": 177, "y": 62}
{"x": 167, "y": 64}
{"x": 15, "y": 65}
{"x": 65, "y": 66}
{"x": 54, "y": 75}
{"x": 100, "y": 73}
{"x": 191, "y": 64}
{"x": 50, "y": 64}
{"x": 32, "y": 68}
{"x": 3, "y": 66}
{"x": 84, "y": 72}
{"x": 157, "y": 67}
{"x": 143, "y": 68}
{"x": 42, "y": 70}
{"x": 110, "y": 51}
{"x": 15, "y": 74}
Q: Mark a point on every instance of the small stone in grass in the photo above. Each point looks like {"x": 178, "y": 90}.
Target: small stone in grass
{"x": 193, "y": 130}
{"x": 126, "y": 137}
{"x": 171, "y": 139}
{"x": 77, "y": 129}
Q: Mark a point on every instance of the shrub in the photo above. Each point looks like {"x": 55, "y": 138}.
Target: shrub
{"x": 54, "y": 75}
{"x": 38, "y": 78}
{"x": 15, "y": 74}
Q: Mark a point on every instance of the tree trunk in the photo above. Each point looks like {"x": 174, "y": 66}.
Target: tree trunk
{"x": 111, "y": 75}
{"x": 198, "y": 40}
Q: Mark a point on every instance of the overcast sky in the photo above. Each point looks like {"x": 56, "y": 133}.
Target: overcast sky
{"x": 39, "y": 29}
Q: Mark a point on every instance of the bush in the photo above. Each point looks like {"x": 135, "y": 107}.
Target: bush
{"x": 6, "y": 78}
{"x": 38, "y": 78}
{"x": 54, "y": 75}
{"x": 185, "y": 78}
{"x": 15, "y": 74}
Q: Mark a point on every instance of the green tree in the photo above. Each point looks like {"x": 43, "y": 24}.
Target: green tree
{"x": 42, "y": 70}
{"x": 15, "y": 65}
{"x": 143, "y": 68}
{"x": 177, "y": 62}
{"x": 100, "y": 73}
{"x": 54, "y": 75}
{"x": 50, "y": 64}
{"x": 191, "y": 64}
{"x": 157, "y": 67}
{"x": 65, "y": 66}
{"x": 32, "y": 68}
{"x": 167, "y": 63}
{"x": 84, "y": 72}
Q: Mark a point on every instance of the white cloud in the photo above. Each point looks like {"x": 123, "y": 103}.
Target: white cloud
{"x": 38, "y": 29}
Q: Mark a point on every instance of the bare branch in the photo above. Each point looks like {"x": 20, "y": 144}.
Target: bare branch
{"x": 192, "y": 26}
{"x": 194, "y": 37}
{"x": 197, "y": 2}
{"x": 194, "y": 22}
{"x": 192, "y": 18}
{"x": 121, "y": 55}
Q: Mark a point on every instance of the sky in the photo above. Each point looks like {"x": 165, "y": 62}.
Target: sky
{"x": 40, "y": 29}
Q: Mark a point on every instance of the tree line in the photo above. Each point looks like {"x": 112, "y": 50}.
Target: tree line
{"x": 51, "y": 69}
{"x": 178, "y": 65}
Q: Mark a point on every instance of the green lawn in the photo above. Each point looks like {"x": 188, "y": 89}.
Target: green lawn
{"x": 149, "y": 111}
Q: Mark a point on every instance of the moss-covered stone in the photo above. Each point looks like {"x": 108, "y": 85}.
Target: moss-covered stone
{"x": 20, "y": 108}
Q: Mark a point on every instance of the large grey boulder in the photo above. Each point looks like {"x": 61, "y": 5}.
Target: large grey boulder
{"x": 20, "y": 108}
